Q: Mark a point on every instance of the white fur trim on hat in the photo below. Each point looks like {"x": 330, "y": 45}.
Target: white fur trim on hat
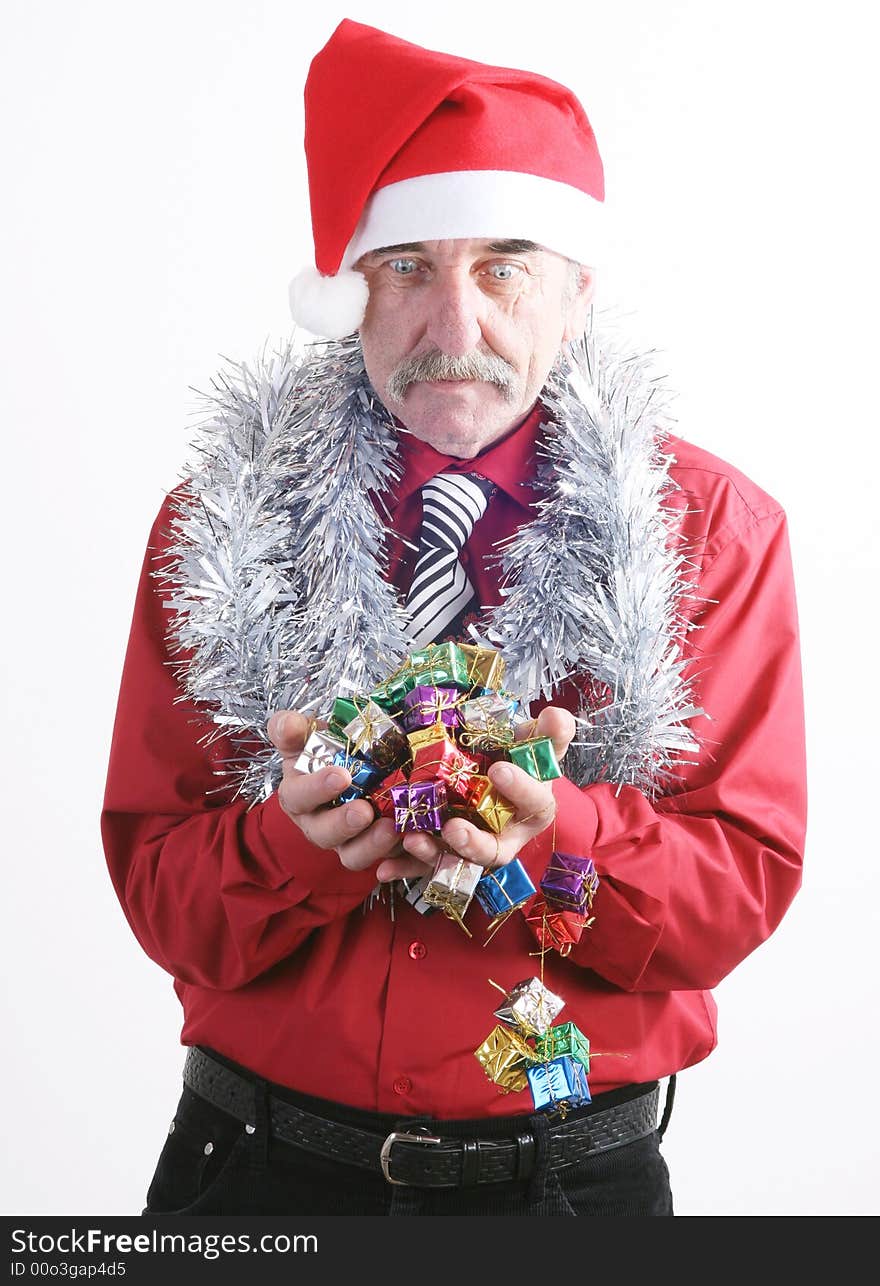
{"x": 328, "y": 306}
{"x": 482, "y": 203}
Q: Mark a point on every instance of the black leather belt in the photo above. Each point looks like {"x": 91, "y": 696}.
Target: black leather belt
{"x": 415, "y": 1156}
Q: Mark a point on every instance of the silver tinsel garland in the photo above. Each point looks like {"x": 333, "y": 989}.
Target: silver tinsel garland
{"x": 276, "y": 569}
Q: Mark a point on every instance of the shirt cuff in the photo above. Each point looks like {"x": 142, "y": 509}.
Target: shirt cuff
{"x": 274, "y": 838}
{"x": 627, "y": 920}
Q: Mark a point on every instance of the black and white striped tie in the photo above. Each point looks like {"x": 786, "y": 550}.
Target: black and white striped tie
{"x": 451, "y": 504}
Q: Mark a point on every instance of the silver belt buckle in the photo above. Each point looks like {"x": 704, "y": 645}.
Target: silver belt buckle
{"x": 385, "y": 1154}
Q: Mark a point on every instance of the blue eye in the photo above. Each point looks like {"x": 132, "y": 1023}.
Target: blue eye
{"x": 403, "y": 267}
{"x": 503, "y": 271}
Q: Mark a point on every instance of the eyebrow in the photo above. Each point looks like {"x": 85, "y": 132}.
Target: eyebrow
{"x": 511, "y": 246}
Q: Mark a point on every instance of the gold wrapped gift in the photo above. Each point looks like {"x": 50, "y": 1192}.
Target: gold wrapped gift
{"x": 504, "y": 1056}
{"x": 425, "y": 736}
{"x": 485, "y": 666}
{"x": 489, "y": 808}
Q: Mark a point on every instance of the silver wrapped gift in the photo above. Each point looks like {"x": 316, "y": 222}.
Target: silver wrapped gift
{"x": 318, "y": 752}
{"x": 453, "y": 883}
{"x": 531, "y": 1007}
{"x": 376, "y": 735}
{"x": 414, "y": 891}
{"x": 486, "y": 721}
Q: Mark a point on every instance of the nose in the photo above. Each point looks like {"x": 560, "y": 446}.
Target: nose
{"x": 454, "y": 314}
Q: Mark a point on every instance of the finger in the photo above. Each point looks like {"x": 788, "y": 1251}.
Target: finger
{"x": 301, "y": 793}
{"x": 486, "y": 848}
{"x": 289, "y": 730}
{"x": 378, "y": 841}
{"x": 523, "y": 791}
{"x": 557, "y": 724}
{"x": 427, "y": 848}
{"x": 402, "y": 868}
{"x": 337, "y": 827}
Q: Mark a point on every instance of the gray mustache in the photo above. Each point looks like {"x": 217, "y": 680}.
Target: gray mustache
{"x": 428, "y": 367}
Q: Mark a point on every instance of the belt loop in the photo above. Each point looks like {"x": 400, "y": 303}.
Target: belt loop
{"x": 667, "y": 1106}
{"x": 537, "y": 1184}
{"x": 262, "y": 1122}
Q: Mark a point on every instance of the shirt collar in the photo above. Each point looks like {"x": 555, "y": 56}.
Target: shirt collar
{"x": 511, "y": 463}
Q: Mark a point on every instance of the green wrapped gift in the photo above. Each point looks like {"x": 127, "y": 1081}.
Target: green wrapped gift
{"x": 344, "y": 710}
{"x": 536, "y": 757}
{"x": 440, "y": 665}
{"x": 568, "y": 1039}
{"x": 389, "y": 695}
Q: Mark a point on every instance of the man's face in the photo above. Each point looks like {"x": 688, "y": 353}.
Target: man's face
{"x": 459, "y": 336}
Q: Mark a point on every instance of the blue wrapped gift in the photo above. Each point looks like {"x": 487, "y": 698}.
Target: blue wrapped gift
{"x": 502, "y": 890}
{"x": 561, "y": 1082}
{"x": 364, "y": 776}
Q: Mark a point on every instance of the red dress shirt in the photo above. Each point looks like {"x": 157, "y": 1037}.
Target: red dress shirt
{"x": 278, "y": 967}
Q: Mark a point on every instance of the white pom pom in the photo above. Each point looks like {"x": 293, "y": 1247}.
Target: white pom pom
{"x": 329, "y": 306}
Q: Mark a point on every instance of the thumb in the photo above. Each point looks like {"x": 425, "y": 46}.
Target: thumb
{"x": 558, "y": 724}
{"x": 288, "y": 730}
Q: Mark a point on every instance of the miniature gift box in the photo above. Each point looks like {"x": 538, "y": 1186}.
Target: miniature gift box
{"x": 568, "y": 1039}
{"x": 555, "y": 927}
{"x": 452, "y": 885}
{"x": 380, "y": 796}
{"x": 373, "y": 733}
{"x": 426, "y": 736}
{"x": 441, "y": 758}
{"x": 505, "y": 888}
{"x": 419, "y": 806}
{"x": 569, "y": 882}
{"x": 390, "y": 694}
{"x": 485, "y": 666}
{"x": 426, "y": 706}
{"x": 490, "y": 809}
{"x": 318, "y": 752}
{"x": 504, "y": 1056}
{"x": 561, "y": 1083}
{"x": 537, "y": 757}
{"x": 439, "y": 665}
{"x": 365, "y": 775}
{"x": 344, "y": 710}
{"x": 530, "y": 1006}
{"x": 485, "y": 722}
{"x": 414, "y": 894}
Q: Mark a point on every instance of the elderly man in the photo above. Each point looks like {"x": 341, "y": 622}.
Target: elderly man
{"x": 464, "y": 461}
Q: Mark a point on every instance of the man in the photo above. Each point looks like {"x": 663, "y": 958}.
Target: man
{"x": 353, "y": 506}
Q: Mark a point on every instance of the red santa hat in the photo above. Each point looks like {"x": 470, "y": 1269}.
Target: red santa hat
{"x": 407, "y": 144}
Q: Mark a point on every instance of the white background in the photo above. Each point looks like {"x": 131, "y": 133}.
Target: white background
{"x": 154, "y": 209}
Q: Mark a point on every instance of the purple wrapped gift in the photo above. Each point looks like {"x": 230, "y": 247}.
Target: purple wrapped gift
{"x": 425, "y": 706}
{"x": 419, "y": 806}
{"x": 570, "y": 882}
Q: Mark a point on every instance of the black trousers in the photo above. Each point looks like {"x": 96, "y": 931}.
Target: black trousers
{"x": 211, "y": 1164}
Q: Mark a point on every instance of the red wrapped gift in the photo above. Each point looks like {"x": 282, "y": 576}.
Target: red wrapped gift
{"x": 444, "y": 760}
{"x": 381, "y": 798}
{"x": 555, "y": 928}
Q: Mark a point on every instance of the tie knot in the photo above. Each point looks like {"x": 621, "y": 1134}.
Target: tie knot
{"x": 451, "y": 504}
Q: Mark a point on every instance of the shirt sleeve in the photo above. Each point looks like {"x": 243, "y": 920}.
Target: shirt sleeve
{"x": 216, "y": 892}
{"x": 693, "y": 882}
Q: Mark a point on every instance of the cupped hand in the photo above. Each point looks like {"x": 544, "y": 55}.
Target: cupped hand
{"x": 352, "y": 830}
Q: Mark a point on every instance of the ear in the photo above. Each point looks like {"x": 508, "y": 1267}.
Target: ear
{"x": 578, "y": 308}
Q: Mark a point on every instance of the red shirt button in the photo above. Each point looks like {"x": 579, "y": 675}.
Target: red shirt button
{"x": 402, "y": 1085}
{"x": 417, "y": 950}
